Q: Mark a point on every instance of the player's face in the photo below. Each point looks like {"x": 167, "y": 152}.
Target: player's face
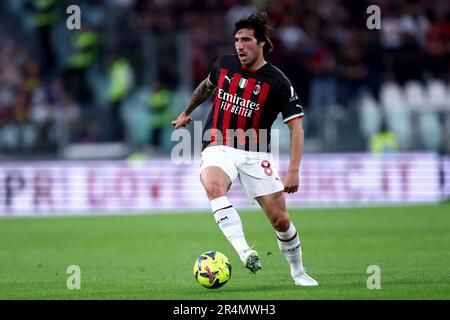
{"x": 247, "y": 47}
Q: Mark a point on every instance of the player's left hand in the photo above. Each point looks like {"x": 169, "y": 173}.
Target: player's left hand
{"x": 291, "y": 182}
{"x": 181, "y": 121}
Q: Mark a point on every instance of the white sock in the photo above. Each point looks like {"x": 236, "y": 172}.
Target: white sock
{"x": 230, "y": 223}
{"x": 289, "y": 244}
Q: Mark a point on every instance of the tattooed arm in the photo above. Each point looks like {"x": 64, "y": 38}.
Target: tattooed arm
{"x": 201, "y": 93}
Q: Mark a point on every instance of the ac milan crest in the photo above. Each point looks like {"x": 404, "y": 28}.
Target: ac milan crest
{"x": 257, "y": 89}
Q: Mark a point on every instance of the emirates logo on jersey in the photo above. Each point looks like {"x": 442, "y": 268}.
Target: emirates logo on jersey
{"x": 236, "y": 104}
{"x": 234, "y": 99}
{"x": 257, "y": 89}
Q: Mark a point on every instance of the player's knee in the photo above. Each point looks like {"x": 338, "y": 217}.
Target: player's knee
{"x": 214, "y": 190}
{"x": 281, "y": 222}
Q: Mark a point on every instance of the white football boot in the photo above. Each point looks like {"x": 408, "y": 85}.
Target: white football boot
{"x": 251, "y": 260}
{"x": 305, "y": 280}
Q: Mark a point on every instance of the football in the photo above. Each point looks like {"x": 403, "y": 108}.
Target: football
{"x": 212, "y": 269}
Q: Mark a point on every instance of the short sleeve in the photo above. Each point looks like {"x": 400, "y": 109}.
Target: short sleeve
{"x": 214, "y": 74}
{"x": 290, "y": 104}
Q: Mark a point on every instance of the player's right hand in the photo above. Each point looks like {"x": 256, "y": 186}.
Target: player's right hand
{"x": 181, "y": 121}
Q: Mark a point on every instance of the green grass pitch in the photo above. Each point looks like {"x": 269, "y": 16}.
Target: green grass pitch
{"x": 152, "y": 256}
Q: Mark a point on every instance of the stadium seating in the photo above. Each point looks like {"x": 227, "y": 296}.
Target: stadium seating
{"x": 424, "y": 103}
{"x": 137, "y": 118}
{"x": 439, "y": 95}
{"x": 370, "y": 115}
{"x": 397, "y": 114}
{"x": 416, "y": 95}
{"x": 429, "y": 128}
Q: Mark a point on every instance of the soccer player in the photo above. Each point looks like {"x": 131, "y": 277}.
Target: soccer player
{"x": 249, "y": 94}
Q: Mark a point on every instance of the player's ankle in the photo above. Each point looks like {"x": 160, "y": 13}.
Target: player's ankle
{"x": 243, "y": 253}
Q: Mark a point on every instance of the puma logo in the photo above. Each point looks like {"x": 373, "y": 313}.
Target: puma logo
{"x": 229, "y": 79}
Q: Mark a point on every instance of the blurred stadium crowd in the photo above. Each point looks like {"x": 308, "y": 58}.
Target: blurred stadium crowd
{"x": 134, "y": 64}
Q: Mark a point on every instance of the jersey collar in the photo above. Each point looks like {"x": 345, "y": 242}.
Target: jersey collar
{"x": 253, "y": 70}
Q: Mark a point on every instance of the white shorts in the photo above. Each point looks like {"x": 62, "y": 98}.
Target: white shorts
{"x": 256, "y": 170}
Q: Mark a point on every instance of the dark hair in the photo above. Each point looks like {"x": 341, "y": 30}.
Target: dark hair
{"x": 261, "y": 25}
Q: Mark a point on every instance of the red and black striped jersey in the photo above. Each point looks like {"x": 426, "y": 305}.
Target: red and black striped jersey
{"x": 246, "y": 104}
